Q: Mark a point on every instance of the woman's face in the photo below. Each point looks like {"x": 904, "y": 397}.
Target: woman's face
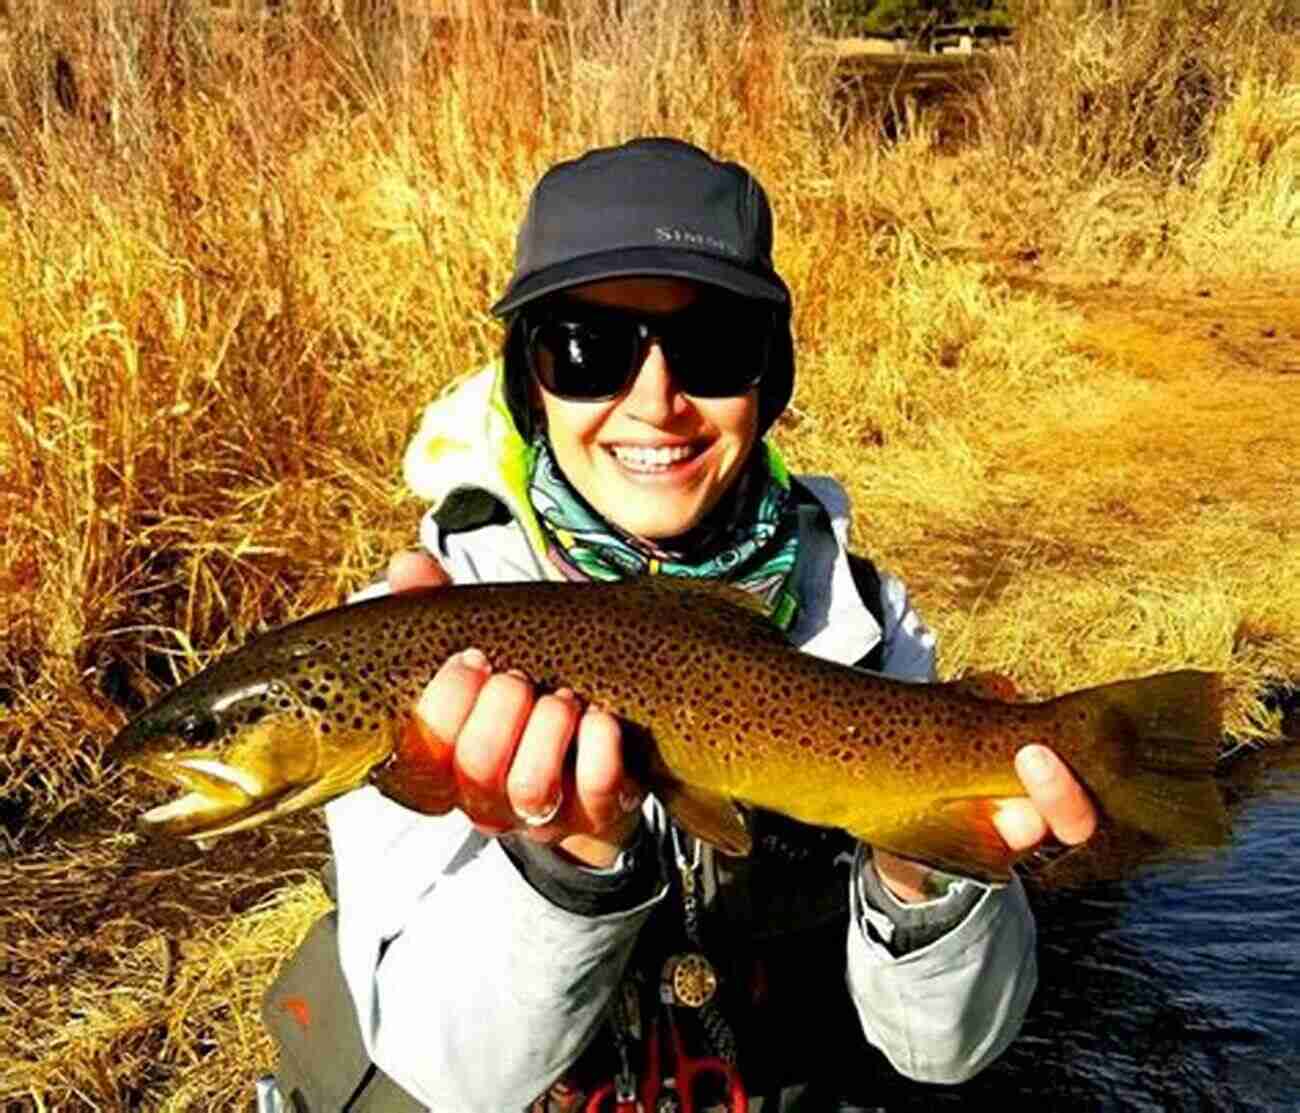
{"x": 652, "y": 460}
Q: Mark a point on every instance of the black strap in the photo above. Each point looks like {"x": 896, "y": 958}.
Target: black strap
{"x": 468, "y": 508}
{"x": 867, "y": 580}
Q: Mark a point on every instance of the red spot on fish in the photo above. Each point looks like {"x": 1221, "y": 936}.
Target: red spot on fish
{"x": 299, "y": 1009}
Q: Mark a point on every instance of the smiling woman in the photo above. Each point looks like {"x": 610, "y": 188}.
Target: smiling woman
{"x": 652, "y": 459}
{"x": 647, "y": 351}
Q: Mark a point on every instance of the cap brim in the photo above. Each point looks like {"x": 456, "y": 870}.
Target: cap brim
{"x": 635, "y": 262}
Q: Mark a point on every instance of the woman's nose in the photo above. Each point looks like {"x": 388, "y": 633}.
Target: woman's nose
{"x": 654, "y": 395}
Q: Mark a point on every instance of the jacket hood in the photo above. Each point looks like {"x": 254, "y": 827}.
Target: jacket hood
{"x": 466, "y": 446}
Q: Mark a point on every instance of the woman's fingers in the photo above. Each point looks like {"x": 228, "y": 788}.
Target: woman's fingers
{"x": 411, "y": 569}
{"x": 599, "y": 774}
{"x": 422, "y": 773}
{"x": 1056, "y": 803}
{"x": 485, "y": 748}
{"x": 535, "y": 783}
{"x": 427, "y": 750}
{"x": 1059, "y": 798}
{"x": 1019, "y": 823}
{"x": 447, "y": 700}
{"x": 481, "y": 741}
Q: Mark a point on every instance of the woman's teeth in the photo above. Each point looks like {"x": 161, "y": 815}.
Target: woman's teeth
{"x": 652, "y": 459}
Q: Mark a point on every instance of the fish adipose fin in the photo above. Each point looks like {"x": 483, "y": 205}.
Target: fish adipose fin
{"x": 708, "y": 816}
{"x": 1156, "y": 748}
{"x": 990, "y": 686}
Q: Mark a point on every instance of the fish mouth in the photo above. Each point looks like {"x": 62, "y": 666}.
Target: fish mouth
{"x": 216, "y": 794}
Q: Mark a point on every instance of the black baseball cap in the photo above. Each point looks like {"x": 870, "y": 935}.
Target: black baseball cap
{"x": 649, "y": 207}
{"x": 652, "y": 206}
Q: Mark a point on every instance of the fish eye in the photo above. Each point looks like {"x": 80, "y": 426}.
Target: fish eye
{"x": 197, "y": 728}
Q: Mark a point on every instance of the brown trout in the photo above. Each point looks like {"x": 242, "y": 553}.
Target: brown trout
{"x": 719, "y": 709}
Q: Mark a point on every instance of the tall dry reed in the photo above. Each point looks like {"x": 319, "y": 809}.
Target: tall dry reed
{"x": 236, "y": 263}
{"x": 1124, "y": 116}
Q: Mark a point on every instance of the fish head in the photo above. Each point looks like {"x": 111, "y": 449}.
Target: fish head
{"x": 245, "y": 744}
{"x": 230, "y": 747}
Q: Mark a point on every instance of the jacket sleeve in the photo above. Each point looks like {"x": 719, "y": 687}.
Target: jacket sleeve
{"x": 942, "y": 987}
{"x": 943, "y": 1012}
{"x": 473, "y": 990}
{"x": 479, "y": 968}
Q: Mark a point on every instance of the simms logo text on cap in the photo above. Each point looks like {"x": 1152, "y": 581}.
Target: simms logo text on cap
{"x": 688, "y": 238}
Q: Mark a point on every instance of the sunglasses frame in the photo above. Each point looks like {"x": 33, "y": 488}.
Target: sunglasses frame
{"x": 647, "y": 326}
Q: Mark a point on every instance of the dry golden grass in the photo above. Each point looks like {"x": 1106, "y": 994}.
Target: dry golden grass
{"x": 233, "y": 275}
{"x": 135, "y": 981}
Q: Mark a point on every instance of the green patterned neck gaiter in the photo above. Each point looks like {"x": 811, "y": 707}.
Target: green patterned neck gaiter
{"x": 751, "y": 540}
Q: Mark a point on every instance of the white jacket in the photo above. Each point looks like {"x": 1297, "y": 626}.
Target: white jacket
{"x": 475, "y": 991}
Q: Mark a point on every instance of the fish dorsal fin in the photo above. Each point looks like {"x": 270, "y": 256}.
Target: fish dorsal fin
{"x": 957, "y": 835}
{"x": 713, "y": 602}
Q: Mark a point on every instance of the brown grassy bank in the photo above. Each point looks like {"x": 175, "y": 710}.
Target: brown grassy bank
{"x": 230, "y": 278}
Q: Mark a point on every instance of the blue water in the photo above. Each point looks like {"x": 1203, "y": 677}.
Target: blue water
{"x": 1178, "y": 990}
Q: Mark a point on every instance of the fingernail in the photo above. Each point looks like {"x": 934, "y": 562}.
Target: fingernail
{"x": 474, "y": 659}
{"x": 426, "y": 708}
{"x": 629, "y": 799}
{"x": 1036, "y": 764}
{"x": 1017, "y": 822}
{"x": 519, "y": 673}
{"x": 566, "y": 694}
{"x": 540, "y": 819}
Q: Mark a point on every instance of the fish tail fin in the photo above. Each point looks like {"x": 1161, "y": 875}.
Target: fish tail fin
{"x": 1156, "y": 747}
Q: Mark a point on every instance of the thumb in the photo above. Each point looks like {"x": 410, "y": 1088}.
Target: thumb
{"x": 412, "y": 569}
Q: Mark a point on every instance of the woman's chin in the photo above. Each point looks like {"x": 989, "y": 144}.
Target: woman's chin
{"x": 657, "y": 504}
{"x": 657, "y": 523}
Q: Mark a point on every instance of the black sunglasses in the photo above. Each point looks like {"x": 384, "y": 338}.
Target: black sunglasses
{"x": 715, "y": 348}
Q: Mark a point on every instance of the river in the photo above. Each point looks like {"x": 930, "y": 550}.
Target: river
{"x": 1177, "y": 991}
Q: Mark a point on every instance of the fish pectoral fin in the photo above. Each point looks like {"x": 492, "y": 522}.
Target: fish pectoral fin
{"x": 957, "y": 836}
{"x": 709, "y": 816}
{"x": 419, "y": 775}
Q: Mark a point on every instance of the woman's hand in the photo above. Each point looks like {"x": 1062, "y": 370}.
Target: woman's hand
{"x": 1056, "y": 803}
{"x": 501, "y": 752}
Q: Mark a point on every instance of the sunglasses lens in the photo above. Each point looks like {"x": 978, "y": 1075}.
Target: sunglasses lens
{"x": 582, "y": 359}
{"x": 719, "y": 351}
